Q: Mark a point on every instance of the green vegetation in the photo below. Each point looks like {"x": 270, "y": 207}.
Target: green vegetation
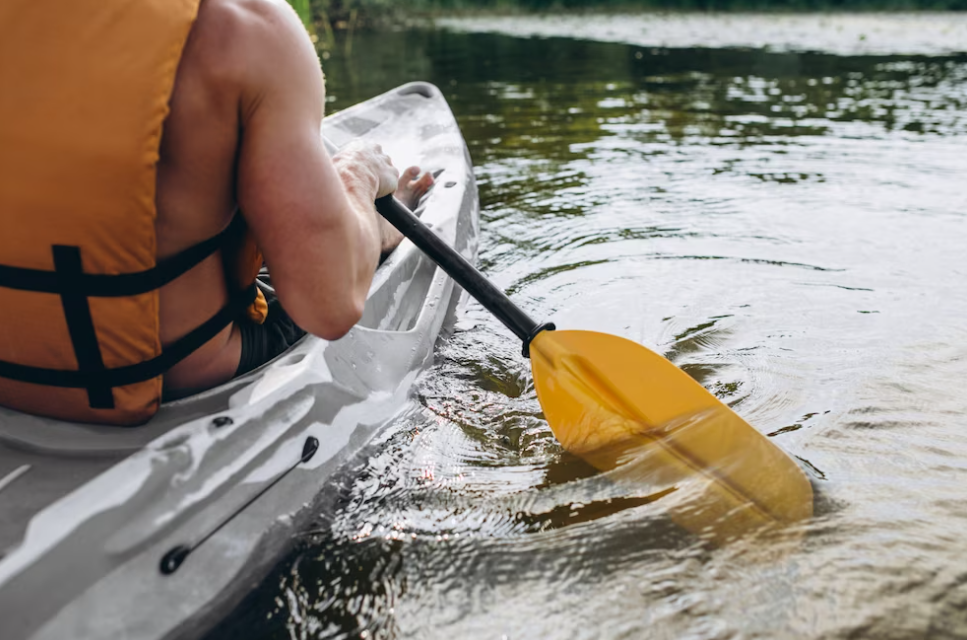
{"x": 444, "y": 6}
{"x": 352, "y": 14}
{"x": 304, "y": 10}
{"x": 704, "y": 5}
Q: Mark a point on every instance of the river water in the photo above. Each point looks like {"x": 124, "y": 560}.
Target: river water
{"x": 788, "y": 226}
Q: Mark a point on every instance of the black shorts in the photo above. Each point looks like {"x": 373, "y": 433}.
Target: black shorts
{"x": 262, "y": 342}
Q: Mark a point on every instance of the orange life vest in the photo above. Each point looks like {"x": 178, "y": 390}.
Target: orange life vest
{"x": 84, "y": 90}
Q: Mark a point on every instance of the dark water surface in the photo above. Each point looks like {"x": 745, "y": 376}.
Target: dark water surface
{"x": 789, "y": 229}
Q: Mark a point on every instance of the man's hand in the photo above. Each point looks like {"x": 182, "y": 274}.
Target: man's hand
{"x": 365, "y": 169}
{"x": 412, "y": 187}
{"x": 360, "y": 162}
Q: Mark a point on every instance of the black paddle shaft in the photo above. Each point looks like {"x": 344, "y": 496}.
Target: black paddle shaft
{"x": 464, "y": 273}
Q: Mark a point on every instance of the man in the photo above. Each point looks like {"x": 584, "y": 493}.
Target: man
{"x": 241, "y": 139}
{"x": 243, "y": 128}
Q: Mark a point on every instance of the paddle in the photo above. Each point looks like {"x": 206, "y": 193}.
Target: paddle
{"x": 633, "y": 413}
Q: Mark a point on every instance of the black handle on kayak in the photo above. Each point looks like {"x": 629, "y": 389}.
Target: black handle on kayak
{"x": 464, "y": 273}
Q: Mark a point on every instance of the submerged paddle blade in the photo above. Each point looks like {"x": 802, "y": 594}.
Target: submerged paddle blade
{"x": 632, "y": 413}
{"x": 622, "y": 407}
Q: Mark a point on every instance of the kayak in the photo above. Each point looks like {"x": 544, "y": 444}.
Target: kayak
{"x": 158, "y": 531}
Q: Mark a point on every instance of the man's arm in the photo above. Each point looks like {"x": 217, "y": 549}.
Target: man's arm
{"x": 313, "y": 218}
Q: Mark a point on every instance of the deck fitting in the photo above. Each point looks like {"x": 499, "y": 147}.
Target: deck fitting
{"x": 309, "y": 448}
{"x": 173, "y": 559}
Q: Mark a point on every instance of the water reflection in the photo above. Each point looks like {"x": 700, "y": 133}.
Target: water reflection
{"x": 784, "y": 227}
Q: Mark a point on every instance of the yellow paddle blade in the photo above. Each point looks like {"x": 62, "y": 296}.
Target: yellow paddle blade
{"x": 622, "y": 407}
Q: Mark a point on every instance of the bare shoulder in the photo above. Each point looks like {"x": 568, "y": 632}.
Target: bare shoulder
{"x": 248, "y": 41}
{"x": 233, "y": 23}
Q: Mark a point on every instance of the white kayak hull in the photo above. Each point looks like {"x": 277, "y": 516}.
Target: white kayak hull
{"x": 157, "y": 531}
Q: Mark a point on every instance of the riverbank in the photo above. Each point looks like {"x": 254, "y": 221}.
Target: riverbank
{"x": 361, "y": 14}
{"x": 913, "y": 33}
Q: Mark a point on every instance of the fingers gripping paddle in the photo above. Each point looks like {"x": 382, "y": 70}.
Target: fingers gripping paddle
{"x": 624, "y": 408}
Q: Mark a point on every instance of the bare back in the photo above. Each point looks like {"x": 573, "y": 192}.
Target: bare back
{"x": 196, "y": 193}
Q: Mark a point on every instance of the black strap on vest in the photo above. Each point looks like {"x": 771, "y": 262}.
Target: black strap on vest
{"x": 133, "y": 373}
{"x": 75, "y": 287}
{"x": 98, "y": 285}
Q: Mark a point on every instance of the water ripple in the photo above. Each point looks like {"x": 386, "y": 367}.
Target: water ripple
{"x": 786, "y": 228}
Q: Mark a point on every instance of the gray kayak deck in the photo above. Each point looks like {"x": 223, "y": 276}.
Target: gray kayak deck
{"x": 30, "y": 481}
{"x": 91, "y": 515}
